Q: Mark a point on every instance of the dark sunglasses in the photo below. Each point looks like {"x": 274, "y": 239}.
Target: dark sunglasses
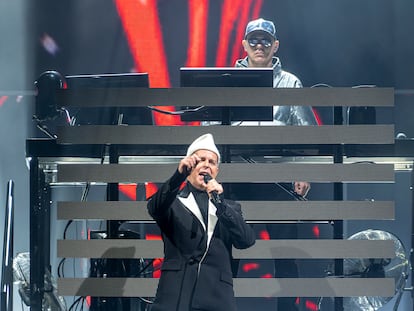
{"x": 265, "y": 42}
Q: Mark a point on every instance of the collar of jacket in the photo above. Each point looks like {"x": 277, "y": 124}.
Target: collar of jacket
{"x": 277, "y": 64}
{"x": 187, "y": 198}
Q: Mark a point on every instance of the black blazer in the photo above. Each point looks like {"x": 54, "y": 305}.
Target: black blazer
{"x": 196, "y": 272}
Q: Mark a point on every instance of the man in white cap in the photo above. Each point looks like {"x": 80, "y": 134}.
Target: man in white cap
{"x": 199, "y": 228}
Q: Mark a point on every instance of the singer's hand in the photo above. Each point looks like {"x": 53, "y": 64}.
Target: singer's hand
{"x": 213, "y": 185}
{"x": 187, "y": 164}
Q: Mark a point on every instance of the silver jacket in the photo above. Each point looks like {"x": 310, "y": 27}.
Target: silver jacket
{"x": 284, "y": 115}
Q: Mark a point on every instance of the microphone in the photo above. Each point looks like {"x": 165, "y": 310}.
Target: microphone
{"x": 214, "y": 194}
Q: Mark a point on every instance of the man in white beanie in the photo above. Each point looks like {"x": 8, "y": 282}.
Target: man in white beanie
{"x": 199, "y": 228}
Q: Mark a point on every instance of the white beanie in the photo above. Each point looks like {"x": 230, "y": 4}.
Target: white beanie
{"x": 205, "y": 142}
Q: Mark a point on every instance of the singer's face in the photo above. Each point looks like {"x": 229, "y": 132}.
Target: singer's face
{"x": 208, "y": 164}
{"x": 260, "y": 49}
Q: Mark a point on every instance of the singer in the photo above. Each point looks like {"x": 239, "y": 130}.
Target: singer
{"x": 199, "y": 228}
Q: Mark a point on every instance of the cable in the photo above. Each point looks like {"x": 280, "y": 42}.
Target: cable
{"x": 66, "y": 228}
{"x": 146, "y": 300}
{"x": 354, "y": 87}
{"x": 292, "y": 193}
{"x": 60, "y": 270}
{"x": 75, "y": 304}
{"x": 85, "y": 192}
{"x": 363, "y": 85}
{"x": 145, "y": 268}
{"x": 70, "y": 120}
{"x": 180, "y": 112}
{"x": 321, "y": 85}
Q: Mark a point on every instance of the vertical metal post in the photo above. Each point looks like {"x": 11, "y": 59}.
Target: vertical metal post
{"x": 39, "y": 234}
{"x": 113, "y": 267}
{"x": 338, "y": 196}
{"x": 113, "y": 194}
{"x": 36, "y": 267}
{"x": 412, "y": 235}
{"x": 7, "y": 267}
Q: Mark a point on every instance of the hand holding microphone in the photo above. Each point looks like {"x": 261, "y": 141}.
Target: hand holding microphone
{"x": 214, "y": 195}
